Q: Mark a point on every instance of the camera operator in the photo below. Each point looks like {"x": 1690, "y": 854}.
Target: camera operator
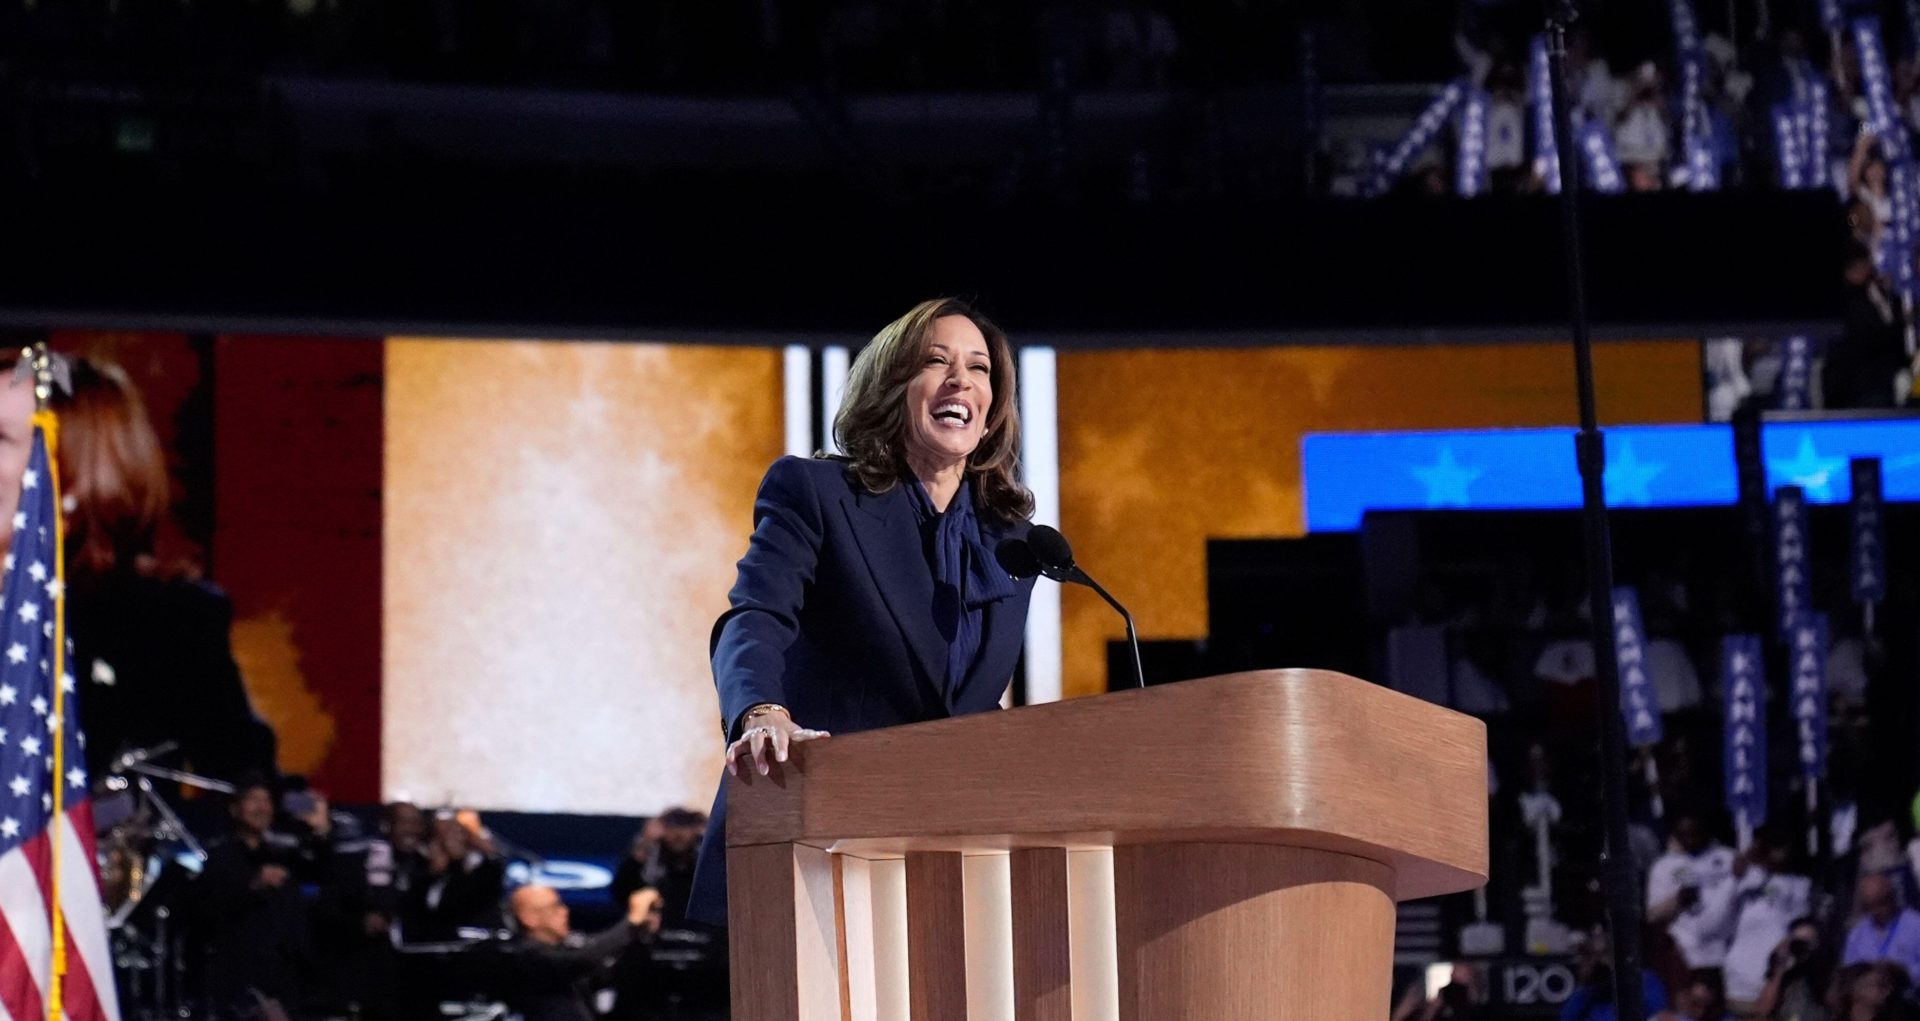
{"x": 1798, "y": 976}
{"x": 553, "y": 969}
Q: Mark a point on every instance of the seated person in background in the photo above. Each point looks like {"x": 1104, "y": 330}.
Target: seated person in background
{"x": 1592, "y": 1000}
{"x": 1798, "y": 976}
{"x": 1681, "y": 889}
{"x": 1872, "y": 992}
{"x": 1699, "y": 1000}
{"x": 1886, "y": 931}
{"x": 248, "y": 904}
{"x": 552, "y": 968}
{"x": 663, "y": 857}
{"x": 462, "y": 884}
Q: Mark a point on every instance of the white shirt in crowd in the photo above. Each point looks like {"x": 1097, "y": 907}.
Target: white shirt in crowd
{"x": 1760, "y": 911}
{"x": 1700, "y": 930}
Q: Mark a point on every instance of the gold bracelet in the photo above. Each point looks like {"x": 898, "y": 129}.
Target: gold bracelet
{"x": 765, "y": 708}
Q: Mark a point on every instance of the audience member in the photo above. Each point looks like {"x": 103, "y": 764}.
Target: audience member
{"x": 662, "y": 858}
{"x": 1872, "y": 992}
{"x": 462, "y": 884}
{"x": 1701, "y": 999}
{"x": 1886, "y": 931}
{"x": 250, "y": 910}
{"x": 1593, "y": 1000}
{"x": 552, "y": 967}
{"x": 1685, "y": 892}
{"x": 1768, "y": 894}
{"x": 1798, "y": 976}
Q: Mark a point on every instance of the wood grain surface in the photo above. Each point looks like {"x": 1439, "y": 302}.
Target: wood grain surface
{"x": 1249, "y": 932}
{"x": 1307, "y": 758}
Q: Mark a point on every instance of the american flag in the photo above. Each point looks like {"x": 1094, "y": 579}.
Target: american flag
{"x": 33, "y": 843}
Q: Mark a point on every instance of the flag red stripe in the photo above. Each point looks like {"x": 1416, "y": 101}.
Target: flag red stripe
{"x": 17, "y": 991}
{"x": 37, "y": 852}
{"x": 76, "y": 992}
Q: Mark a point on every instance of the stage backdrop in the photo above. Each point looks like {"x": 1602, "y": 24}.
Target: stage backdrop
{"x": 1161, "y": 450}
{"x": 561, "y": 524}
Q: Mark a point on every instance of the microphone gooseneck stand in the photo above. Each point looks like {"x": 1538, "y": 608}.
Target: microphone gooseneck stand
{"x": 1616, "y": 860}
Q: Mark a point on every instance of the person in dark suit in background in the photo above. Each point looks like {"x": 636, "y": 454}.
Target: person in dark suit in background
{"x": 870, "y": 594}
{"x": 551, "y": 968}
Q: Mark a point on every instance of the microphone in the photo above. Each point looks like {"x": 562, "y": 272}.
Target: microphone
{"x": 1046, "y": 552}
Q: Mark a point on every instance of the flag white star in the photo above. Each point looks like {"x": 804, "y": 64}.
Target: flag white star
{"x": 8, "y": 694}
{"x": 16, "y": 653}
{"x": 9, "y": 827}
{"x": 3, "y": 735}
{"x": 55, "y": 589}
{"x": 30, "y": 480}
{"x": 29, "y": 612}
{"x": 39, "y": 705}
{"x": 30, "y": 745}
{"x": 76, "y": 777}
{"x": 20, "y": 786}
{"x": 37, "y": 571}
{"x": 20, "y": 519}
{"x": 66, "y": 683}
{"x": 46, "y": 802}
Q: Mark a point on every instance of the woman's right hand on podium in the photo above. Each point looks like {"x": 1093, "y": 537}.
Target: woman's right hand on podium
{"x": 767, "y": 729}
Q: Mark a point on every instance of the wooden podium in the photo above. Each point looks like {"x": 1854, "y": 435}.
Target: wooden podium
{"x": 1217, "y": 849}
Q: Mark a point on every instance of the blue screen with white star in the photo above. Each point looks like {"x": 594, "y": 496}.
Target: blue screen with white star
{"x": 1348, "y": 474}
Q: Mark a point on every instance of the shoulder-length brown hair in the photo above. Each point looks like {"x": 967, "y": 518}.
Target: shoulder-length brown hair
{"x": 113, "y": 472}
{"x": 871, "y": 426}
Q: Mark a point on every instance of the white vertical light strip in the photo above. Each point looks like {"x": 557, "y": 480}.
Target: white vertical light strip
{"x": 887, "y": 892}
{"x": 1040, "y": 470}
{"x": 1093, "y": 953}
{"x": 988, "y": 882}
{"x": 797, "y": 379}
{"x": 834, "y": 362}
{"x": 856, "y": 916}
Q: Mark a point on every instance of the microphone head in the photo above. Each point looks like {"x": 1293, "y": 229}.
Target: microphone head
{"x": 1016, "y": 558}
{"x": 1050, "y": 549}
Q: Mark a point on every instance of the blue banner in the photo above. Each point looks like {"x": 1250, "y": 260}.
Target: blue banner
{"x": 1807, "y": 666}
{"x": 1744, "y": 746}
{"x": 1831, "y": 18}
{"x": 1349, "y": 474}
{"x": 1867, "y": 553}
{"x": 1793, "y": 573}
{"x": 1795, "y": 389}
{"x": 1904, "y": 226}
{"x": 1596, "y": 148}
{"x": 1639, "y": 705}
{"x": 1418, "y": 137}
{"x": 1787, "y": 147}
{"x": 1470, "y": 166}
{"x": 1883, "y": 114}
{"x": 1546, "y": 157}
{"x": 1816, "y": 111}
{"x": 1686, "y": 30}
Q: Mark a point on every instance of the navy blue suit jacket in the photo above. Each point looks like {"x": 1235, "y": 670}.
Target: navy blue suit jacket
{"x": 832, "y": 617}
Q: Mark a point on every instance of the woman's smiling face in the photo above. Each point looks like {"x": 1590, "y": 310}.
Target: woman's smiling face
{"x": 948, "y": 399}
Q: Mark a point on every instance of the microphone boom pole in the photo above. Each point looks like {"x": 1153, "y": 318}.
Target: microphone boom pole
{"x": 1616, "y": 860}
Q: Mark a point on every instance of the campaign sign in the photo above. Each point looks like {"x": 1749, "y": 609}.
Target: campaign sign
{"x": 1744, "y": 749}
{"x": 1807, "y": 666}
{"x": 1867, "y": 557}
{"x": 1639, "y": 705}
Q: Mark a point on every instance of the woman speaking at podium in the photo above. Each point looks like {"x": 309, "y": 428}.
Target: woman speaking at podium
{"x": 870, "y": 595}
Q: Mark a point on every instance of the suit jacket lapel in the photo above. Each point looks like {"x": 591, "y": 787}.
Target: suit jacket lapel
{"x": 889, "y": 540}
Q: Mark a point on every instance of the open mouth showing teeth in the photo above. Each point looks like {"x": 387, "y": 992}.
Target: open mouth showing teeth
{"x": 953, "y": 412}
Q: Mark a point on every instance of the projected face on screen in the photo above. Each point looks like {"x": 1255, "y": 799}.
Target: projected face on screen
{"x": 561, "y": 524}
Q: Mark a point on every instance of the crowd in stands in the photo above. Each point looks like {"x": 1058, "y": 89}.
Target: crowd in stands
{"x": 309, "y": 911}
